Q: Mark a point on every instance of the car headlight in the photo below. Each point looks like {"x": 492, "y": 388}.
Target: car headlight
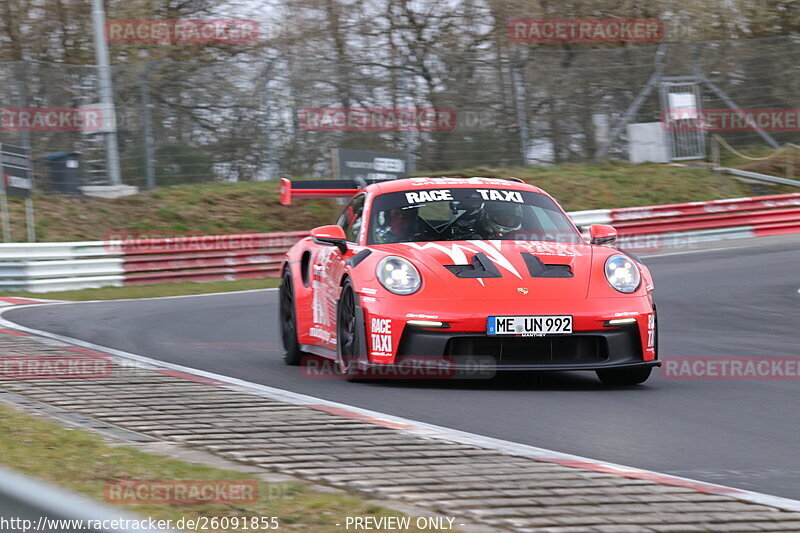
{"x": 398, "y": 275}
{"x": 622, "y": 273}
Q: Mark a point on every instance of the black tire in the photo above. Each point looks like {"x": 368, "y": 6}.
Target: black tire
{"x": 347, "y": 337}
{"x": 624, "y": 376}
{"x": 287, "y": 322}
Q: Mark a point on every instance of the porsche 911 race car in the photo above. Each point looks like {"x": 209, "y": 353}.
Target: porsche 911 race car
{"x": 452, "y": 270}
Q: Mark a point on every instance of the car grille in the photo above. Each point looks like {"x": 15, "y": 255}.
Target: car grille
{"x": 522, "y": 350}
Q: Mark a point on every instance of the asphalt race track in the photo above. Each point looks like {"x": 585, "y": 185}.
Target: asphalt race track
{"x": 740, "y": 302}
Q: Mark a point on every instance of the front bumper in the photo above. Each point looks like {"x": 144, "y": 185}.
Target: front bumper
{"x": 583, "y": 350}
{"x": 593, "y": 345}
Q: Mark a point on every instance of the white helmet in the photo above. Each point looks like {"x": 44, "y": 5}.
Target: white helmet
{"x": 501, "y": 217}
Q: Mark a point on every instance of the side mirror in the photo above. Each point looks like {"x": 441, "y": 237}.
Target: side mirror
{"x": 332, "y": 235}
{"x": 602, "y": 234}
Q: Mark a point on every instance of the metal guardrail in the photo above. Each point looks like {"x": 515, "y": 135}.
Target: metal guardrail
{"x": 53, "y": 250}
{"x": 708, "y": 208}
{"x": 45, "y": 267}
{"x": 758, "y": 177}
{"x": 28, "y": 504}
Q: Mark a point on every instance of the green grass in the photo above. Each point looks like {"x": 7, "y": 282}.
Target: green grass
{"x": 214, "y": 208}
{"x": 617, "y": 184}
{"x": 83, "y": 462}
{"x": 150, "y": 291}
{"x": 763, "y": 159}
{"x": 223, "y": 208}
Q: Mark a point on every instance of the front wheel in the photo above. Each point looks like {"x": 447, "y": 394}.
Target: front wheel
{"x": 287, "y": 318}
{"x": 347, "y": 334}
{"x": 624, "y": 376}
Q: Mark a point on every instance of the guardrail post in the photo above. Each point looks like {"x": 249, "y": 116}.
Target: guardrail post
{"x": 715, "y": 155}
{"x": 30, "y": 220}
{"x": 4, "y": 215}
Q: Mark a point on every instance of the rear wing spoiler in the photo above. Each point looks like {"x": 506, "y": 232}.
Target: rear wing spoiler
{"x": 331, "y": 188}
{"x": 322, "y": 188}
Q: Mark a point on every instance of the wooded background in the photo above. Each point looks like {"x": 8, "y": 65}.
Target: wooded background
{"x": 230, "y": 111}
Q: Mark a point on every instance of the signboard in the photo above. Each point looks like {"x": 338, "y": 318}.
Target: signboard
{"x": 15, "y": 166}
{"x": 354, "y": 164}
{"x": 682, "y": 106}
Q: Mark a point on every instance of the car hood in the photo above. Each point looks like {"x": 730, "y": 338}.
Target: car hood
{"x": 499, "y": 269}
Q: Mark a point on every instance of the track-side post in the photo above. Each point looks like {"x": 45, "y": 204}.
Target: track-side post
{"x": 147, "y": 126}
{"x": 518, "y": 87}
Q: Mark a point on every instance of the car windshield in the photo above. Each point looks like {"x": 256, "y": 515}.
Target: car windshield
{"x": 468, "y": 214}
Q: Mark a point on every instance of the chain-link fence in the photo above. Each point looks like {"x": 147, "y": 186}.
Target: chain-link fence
{"x": 247, "y": 120}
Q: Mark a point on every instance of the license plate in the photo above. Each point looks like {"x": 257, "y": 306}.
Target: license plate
{"x": 529, "y": 325}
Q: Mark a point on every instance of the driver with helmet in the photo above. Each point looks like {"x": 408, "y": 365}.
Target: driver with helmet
{"x": 499, "y": 219}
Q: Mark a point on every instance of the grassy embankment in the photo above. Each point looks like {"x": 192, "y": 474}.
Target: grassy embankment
{"x": 226, "y": 208}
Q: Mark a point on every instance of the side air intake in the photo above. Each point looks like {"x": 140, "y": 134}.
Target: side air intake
{"x": 480, "y": 267}
{"x": 538, "y": 269}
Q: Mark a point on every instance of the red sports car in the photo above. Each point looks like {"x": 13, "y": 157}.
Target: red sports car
{"x": 450, "y": 271}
